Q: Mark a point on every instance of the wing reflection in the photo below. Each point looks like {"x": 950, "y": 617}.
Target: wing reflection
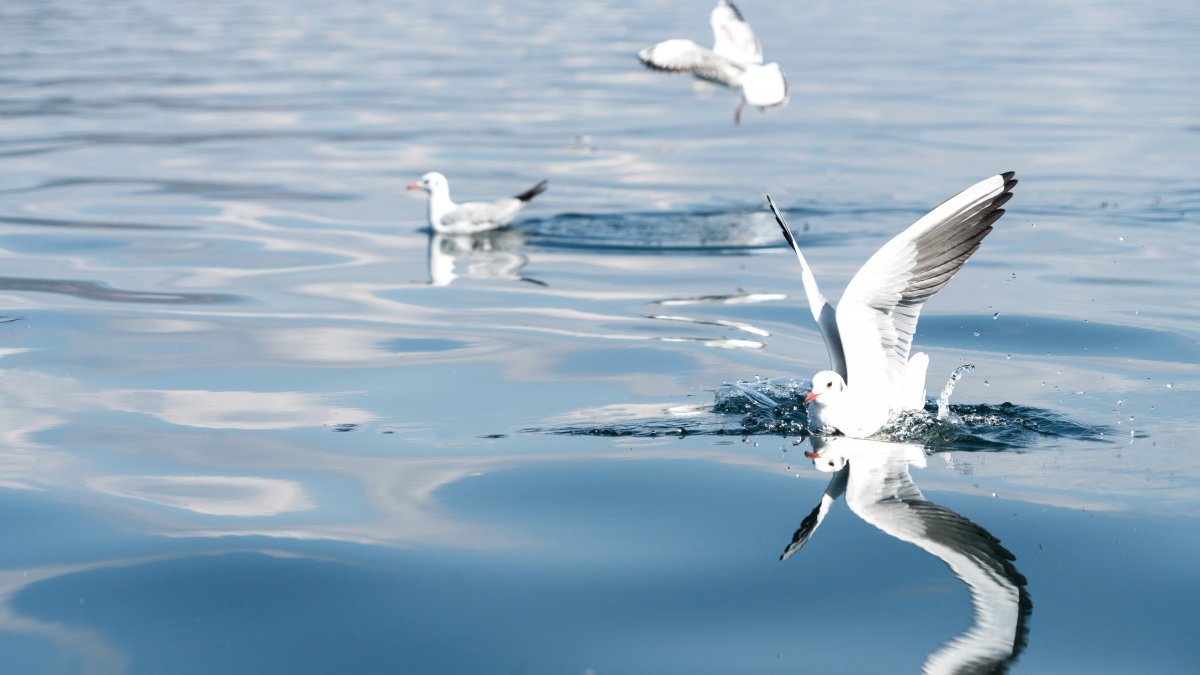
{"x": 487, "y": 255}
{"x": 874, "y": 477}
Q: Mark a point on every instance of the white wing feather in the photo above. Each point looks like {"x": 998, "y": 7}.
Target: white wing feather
{"x": 473, "y": 215}
{"x": 878, "y": 312}
{"x": 685, "y": 56}
{"x": 732, "y": 37}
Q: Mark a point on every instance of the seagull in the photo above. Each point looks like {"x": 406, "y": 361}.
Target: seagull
{"x": 872, "y": 376}
{"x": 874, "y": 476}
{"x": 735, "y": 61}
{"x": 447, "y": 217}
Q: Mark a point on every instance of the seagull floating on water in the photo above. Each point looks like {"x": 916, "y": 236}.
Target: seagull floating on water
{"x": 447, "y": 217}
{"x": 735, "y": 61}
{"x": 872, "y": 376}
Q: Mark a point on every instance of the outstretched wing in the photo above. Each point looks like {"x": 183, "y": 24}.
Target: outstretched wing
{"x": 823, "y": 312}
{"x": 732, "y": 37}
{"x": 685, "y": 56}
{"x": 878, "y": 312}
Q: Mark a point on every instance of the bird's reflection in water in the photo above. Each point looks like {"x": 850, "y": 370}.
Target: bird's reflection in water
{"x": 874, "y": 478}
{"x": 487, "y": 255}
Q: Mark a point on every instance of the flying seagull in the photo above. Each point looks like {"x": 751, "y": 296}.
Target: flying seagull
{"x": 449, "y": 218}
{"x": 735, "y": 61}
{"x": 872, "y": 376}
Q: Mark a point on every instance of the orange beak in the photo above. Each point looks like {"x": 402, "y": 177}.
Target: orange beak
{"x": 414, "y": 186}
{"x": 812, "y": 455}
{"x": 811, "y": 395}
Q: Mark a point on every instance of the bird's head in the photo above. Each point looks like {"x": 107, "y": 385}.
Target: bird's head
{"x": 429, "y": 182}
{"x": 826, "y": 385}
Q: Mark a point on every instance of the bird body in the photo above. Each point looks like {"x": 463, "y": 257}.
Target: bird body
{"x": 873, "y": 374}
{"x": 735, "y": 60}
{"x": 472, "y": 217}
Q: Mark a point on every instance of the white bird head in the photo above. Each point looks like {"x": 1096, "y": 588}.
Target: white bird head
{"x": 430, "y": 182}
{"x": 826, "y": 386}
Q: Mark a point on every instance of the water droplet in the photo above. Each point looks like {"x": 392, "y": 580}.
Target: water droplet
{"x": 975, "y": 333}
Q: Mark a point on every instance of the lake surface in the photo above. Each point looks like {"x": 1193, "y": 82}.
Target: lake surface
{"x": 257, "y": 420}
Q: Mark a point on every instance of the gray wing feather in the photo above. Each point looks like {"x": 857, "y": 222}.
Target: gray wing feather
{"x": 685, "y": 56}
{"x": 823, "y": 312}
{"x": 883, "y": 301}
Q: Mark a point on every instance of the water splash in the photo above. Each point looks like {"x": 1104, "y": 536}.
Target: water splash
{"x": 943, "y": 402}
{"x": 775, "y": 407}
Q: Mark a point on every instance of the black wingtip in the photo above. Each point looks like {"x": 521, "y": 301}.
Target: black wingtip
{"x": 787, "y": 231}
{"x": 533, "y": 191}
{"x": 736, "y": 12}
{"x": 1009, "y": 180}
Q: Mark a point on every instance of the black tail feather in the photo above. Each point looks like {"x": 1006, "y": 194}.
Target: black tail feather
{"x": 533, "y": 191}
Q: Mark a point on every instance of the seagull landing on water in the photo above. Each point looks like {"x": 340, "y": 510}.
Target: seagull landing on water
{"x": 735, "y": 61}
{"x": 872, "y": 376}
{"x": 449, "y": 218}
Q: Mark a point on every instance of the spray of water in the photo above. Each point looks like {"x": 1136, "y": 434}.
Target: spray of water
{"x": 943, "y": 412}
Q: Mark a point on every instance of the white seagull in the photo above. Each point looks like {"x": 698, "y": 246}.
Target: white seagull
{"x": 872, "y": 377}
{"x": 735, "y": 61}
{"x": 449, "y": 218}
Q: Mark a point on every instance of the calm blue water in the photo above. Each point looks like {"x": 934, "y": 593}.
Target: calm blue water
{"x": 256, "y": 420}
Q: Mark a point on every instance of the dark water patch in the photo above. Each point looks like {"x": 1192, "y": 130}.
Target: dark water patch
{"x": 91, "y": 290}
{"x": 193, "y": 138}
{"x": 658, "y": 232}
{"x": 1113, "y": 281}
{"x": 77, "y": 223}
{"x": 406, "y": 345}
{"x": 208, "y": 189}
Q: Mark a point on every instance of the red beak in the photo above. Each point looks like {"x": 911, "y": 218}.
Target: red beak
{"x": 414, "y": 186}
{"x": 811, "y": 395}
{"x": 812, "y": 455}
